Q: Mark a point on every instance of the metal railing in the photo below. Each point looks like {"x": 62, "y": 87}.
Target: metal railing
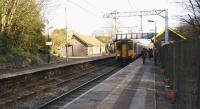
{"x": 133, "y": 36}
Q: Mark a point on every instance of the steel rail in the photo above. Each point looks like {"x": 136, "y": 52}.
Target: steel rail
{"x": 75, "y": 89}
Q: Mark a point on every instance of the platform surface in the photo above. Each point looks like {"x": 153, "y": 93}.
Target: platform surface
{"x": 23, "y": 71}
{"x": 133, "y": 87}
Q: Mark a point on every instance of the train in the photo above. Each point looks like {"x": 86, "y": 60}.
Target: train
{"x": 127, "y": 50}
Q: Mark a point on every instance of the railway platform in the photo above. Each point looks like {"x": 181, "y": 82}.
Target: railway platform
{"x": 133, "y": 87}
{"x": 32, "y": 88}
{"x": 6, "y": 73}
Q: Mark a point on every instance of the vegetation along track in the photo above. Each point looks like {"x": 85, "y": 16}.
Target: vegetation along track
{"x": 36, "y": 94}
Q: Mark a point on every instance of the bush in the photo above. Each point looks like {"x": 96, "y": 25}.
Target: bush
{"x": 2, "y": 59}
{"x": 15, "y": 57}
{"x": 19, "y": 58}
{"x": 3, "y": 44}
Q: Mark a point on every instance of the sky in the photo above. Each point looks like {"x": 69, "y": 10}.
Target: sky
{"x": 86, "y": 16}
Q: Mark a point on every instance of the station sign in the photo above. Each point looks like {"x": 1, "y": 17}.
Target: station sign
{"x": 48, "y": 43}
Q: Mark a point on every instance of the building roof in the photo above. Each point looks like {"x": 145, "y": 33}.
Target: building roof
{"x": 88, "y": 41}
{"x": 179, "y": 36}
{"x": 104, "y": 39}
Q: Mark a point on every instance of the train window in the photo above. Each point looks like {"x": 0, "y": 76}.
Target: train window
{"x": 118, "y": 46}
{"x": 130, "y": 45}
{"x": 135, "y": 47}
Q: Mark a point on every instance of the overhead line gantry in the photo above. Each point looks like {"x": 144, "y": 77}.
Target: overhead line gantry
{"x": 115, "y": 15}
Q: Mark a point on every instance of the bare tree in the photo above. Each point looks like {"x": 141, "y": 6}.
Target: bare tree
{"x": 193, "y": 19}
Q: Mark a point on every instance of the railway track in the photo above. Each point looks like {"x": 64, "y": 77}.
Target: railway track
{"x": 43, "y": 91}
{"x": 62, "y": 100}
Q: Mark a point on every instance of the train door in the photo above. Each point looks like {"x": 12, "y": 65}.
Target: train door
{"x": 117, "y": 49}
{"x": 135, "y": 48}
{"x": 130, "y": 49}
{"x": 124, "y": 50}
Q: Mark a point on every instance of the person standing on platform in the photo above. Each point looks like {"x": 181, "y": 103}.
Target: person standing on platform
{"x": 150, "y": 52}
{"x": 143, "y": 53}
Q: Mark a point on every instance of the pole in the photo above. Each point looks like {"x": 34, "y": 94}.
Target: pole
{"x": 67, "y": 37}
{"x": 166, "y": 27}
{"x": 155, "y": 32}
{"x": 49, "y": 55}
{"x": 155, "y": 50}
{"x": 115, "y": 21}
{"x": 155, "y": 28}
{"x": 141, "y": 26}
{"x": 48, "y": 44}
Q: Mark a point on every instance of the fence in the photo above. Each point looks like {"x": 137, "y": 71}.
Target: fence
{"x": 181, "y": 62}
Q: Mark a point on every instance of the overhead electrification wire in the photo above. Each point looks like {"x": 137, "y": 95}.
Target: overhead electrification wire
{"x": 129, "y": 2}
{"x": 94, "y": 7}
{"x": 51, "y": 6}
{"x": 97, "y": 9}
{"x": 86, "y": 10}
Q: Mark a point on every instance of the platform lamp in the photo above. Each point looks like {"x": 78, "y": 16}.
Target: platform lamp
{"x": 154, "y": 40}
{"x": 154, "y": 29}
{"x": 49, "y": 43}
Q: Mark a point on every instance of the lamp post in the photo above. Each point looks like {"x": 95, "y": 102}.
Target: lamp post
{"x": 66, "y": 36}
{"x": 48, "y": 43}
{"x": 154, "y": 41}
{"x": 154, "y": 29}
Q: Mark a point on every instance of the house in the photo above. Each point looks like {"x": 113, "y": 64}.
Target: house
{"x": 82, "y": 45}
{"x": 173, "y": 37}
{"x": 106, "y": 40}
